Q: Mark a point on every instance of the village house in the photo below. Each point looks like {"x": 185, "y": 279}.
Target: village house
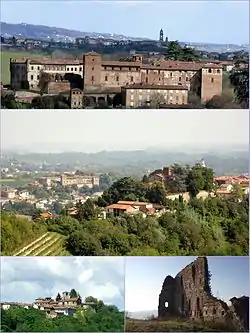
{"x": 8, "y": 193}
{"x": 134, "y": 207}
{"x": 66, "y": 305}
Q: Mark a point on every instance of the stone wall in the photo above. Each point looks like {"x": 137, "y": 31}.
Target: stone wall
{"x": 57, "y": 87}
{"x": 188, "y": 295}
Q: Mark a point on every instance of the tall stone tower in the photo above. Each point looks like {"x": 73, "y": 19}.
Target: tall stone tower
{"x": 161, "y": 36}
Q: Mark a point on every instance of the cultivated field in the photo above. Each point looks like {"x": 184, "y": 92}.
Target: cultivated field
{"x": 49, "y": 244}
{"x": 5, "y": 62}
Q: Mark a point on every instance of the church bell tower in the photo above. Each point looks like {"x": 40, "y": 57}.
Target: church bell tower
{"x": 161, "y": 36}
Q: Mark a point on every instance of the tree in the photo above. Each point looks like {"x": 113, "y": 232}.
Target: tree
{"x": 58, "y": 297}
{"x": 221, "y": 102}
{"x": 176, "y": 52}
{"x": 195, "y": 181}
{"x": 44, "y": 80}
{"x": 157, "y": 194}
{"x": 86, "y": 210}
{"x": 157, "y": 99}
{"x": 239, "y": 78}
{"x": 83, "y": 244}
{"x": 73, "y": 293}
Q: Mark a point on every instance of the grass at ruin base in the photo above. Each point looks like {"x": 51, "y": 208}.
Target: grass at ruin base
{"x": 136, "y": 325}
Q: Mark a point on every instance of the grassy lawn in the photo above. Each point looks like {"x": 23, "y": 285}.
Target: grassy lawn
{"x": 16, "y": 182}
{"x": 5, "y": 62}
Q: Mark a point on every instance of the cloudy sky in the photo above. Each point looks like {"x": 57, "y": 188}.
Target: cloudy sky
{"x": 200, "y": 20}
{"x": 25, "y": 278}
{"x": 91, "y": 131}
{"x": 145, "y": 276}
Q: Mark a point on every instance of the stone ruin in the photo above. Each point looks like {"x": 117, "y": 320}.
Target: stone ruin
{"x": 189, "y": 296}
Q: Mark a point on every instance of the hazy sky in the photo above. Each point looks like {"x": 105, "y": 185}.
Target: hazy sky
{"x": 145, "y": 276}
{"x": 97, "y": 130}
{"x": 25, "y": 278}
{"x": 217, "y": 21}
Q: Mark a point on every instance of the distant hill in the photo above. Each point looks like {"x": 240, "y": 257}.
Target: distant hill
{"x": 142, "y": 314}
{"x": 58, "y": 34}
{"x": 42, "y": 32}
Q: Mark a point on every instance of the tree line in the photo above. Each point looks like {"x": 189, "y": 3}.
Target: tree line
{"x": 104, "y": 318}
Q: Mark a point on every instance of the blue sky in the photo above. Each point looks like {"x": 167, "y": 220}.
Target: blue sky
{"x": 145, "y": 276}
{"x": 217, "y": 21}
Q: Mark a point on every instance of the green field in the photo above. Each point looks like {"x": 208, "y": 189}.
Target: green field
{"x": 49, "y": 244}
{"x": 5, "y": 62}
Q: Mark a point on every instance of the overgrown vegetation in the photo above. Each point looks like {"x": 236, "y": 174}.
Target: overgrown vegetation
{"x": 177, "y": 325}
{"x": 17, "y": 232}
{"x": 104, "y": 318}
{"x": 211, "y": 226}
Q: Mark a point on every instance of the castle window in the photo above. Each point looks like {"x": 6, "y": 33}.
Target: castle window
{"x": 92, "y": 78}
{"x": 218, "y": 70}
{"x": 106, "y": 78}
{"x": 32, "y": 67}
{"x": 32, "y": 77}
{"x": 147, "y": 71}
{"x": 179, "y": 78}
{"x": 93, "y": 59}
{"x": 72, "y": 69}
{"x": 210, "y": 70}
{"x": 37, "y": 77}
{"x": 159, "y": 79}
{"x": 93, "y": 68}
{"x": 38, "y": 68}
{"x": 132, "y": 79}
{"x": 67, "y": 69}
{"x": 117, "y": 78}
{"x": 146, "y": 80}
{"x": 222, "y": 312}
{"x": 75, "y": 69}
{"x": 80, "y": 69}
{"x": 212, "y": 80}
{"x": 186, "y": 78}
{"x": 171, "y": 74}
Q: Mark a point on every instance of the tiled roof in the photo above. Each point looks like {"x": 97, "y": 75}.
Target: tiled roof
{"x": 120, "y": 206}
{"x": 121, "y": 63}
{"x": 133, "y": 203}
{"x": 155, "y": 86}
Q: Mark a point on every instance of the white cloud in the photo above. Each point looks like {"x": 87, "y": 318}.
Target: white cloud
{"x": 25, "y": 278}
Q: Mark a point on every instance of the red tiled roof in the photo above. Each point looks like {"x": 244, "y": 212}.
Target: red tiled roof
{"x": 121, "y": 63}
{"x": 120, "y": 206}
{"x": 155, "y": 86}
{"x": 133, "y": 203}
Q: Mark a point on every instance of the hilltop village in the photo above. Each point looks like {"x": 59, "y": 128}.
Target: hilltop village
{"x": 66, "y": 312}
{"x": 177, "y": 77}
{"x": 66, "y": 304}
{"x": 130, "y": 216}
{"x": 51, "y": 194}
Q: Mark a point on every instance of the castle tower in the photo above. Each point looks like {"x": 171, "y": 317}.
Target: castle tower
{"x": 211, "y": 82}
{"x": 161, "y": 36}
{"x": 92, "y": 66}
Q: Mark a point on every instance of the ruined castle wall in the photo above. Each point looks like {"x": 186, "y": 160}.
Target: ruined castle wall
{"x": 189, "y": 295}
